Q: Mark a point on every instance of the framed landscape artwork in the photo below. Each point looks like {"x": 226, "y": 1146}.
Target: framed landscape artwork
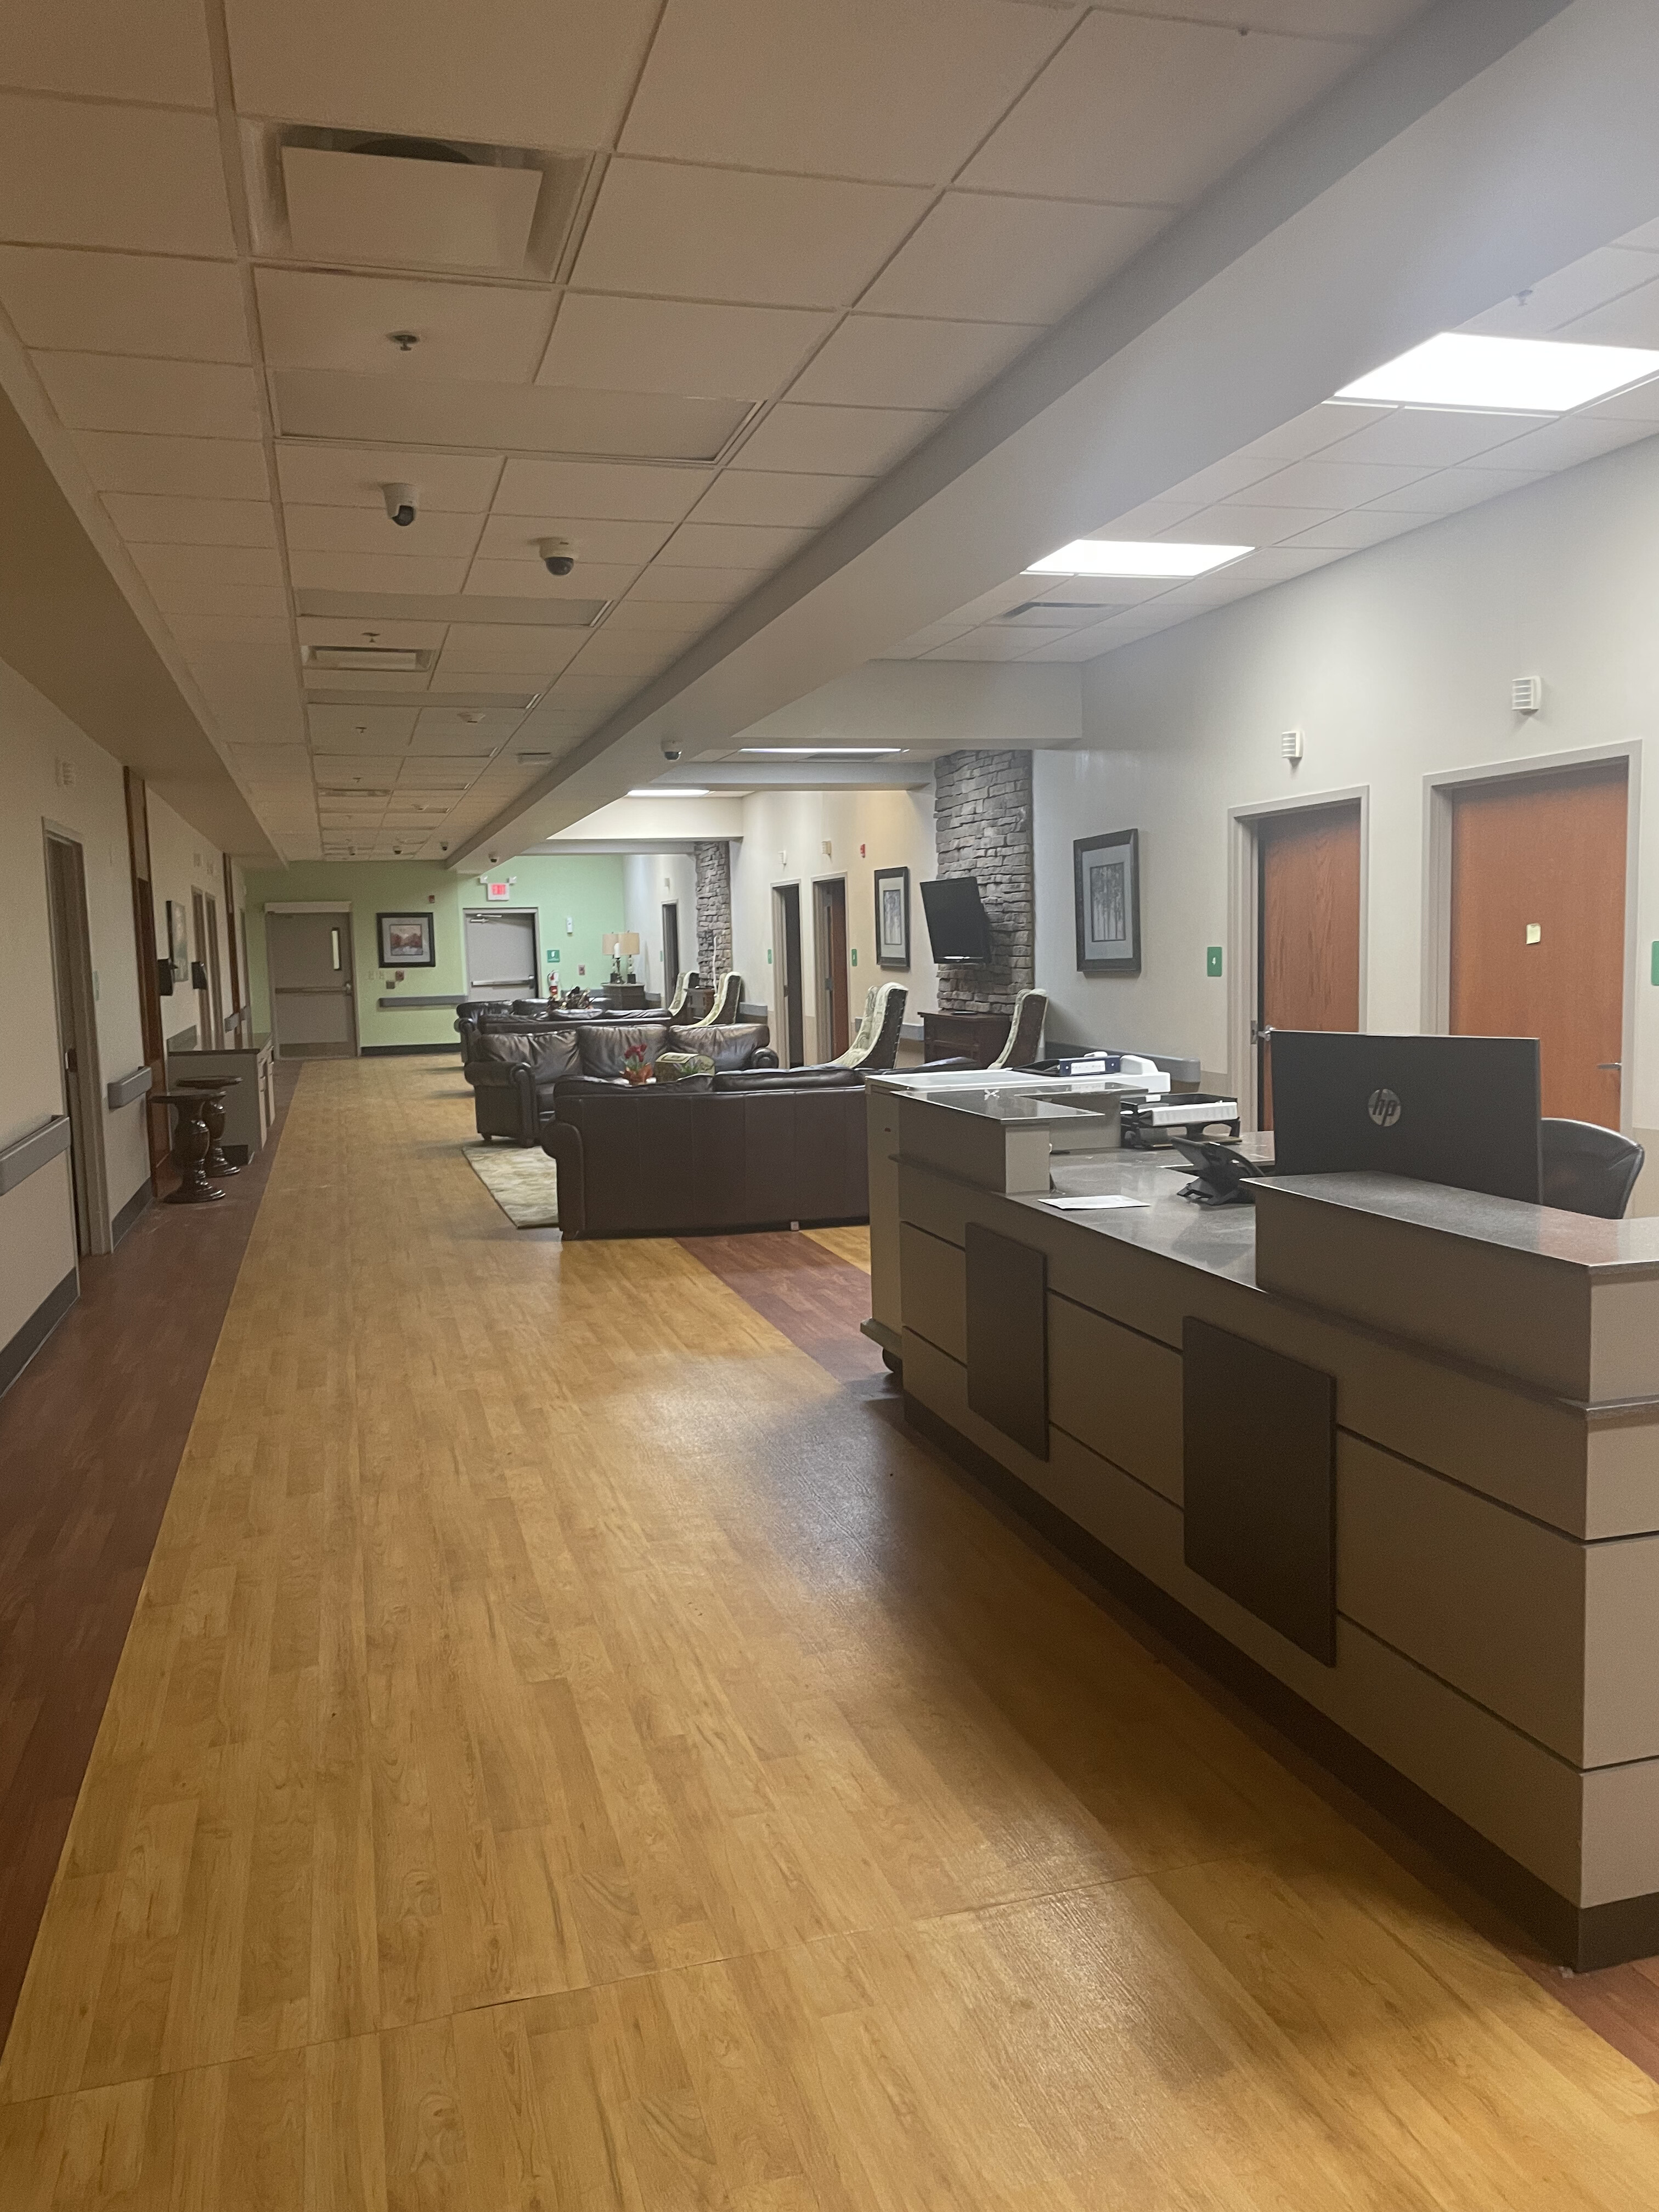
{"x": 406, "y": 940}
{"x": 892, "y": 917}
{"x": 1106, "y": 873}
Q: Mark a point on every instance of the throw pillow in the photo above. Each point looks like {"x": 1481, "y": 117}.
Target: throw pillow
{"x": 603, "y": 1045}
{"x": 679, "y": 1067}
{"x": 731, "y": 1044}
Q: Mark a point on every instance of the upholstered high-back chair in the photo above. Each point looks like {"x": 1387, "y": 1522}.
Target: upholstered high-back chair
{"x": 1024, "y": 1030}
{"x": 727, "y": 992}
{"x": 684, "y": 982}
{"x": 876, "y": 1046}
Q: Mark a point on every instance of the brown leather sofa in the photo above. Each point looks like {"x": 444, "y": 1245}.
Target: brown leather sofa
{"x": 666, "y": 1163}
{"x": 515, "y": 1068}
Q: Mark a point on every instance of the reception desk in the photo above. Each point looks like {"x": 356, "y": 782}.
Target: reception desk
{"x": 1383, "y": 1456}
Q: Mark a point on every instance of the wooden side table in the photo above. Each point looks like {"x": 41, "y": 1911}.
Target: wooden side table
{"x": 191, "y": 1144}
{"x": 212, "y": 1091}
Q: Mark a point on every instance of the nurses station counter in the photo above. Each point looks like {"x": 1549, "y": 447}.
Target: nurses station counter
{"x": 1382, "y": 1456}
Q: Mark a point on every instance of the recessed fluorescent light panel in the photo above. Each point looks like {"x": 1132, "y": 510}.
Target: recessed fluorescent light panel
{"x": 1460, "y": 371}
{"x": 1103, "y": 556}
{"x": 671, "y": 791}
{"x": 821, "y": 753}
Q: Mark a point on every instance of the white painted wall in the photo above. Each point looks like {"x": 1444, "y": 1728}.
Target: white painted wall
{"x": 651, "y": 881}
{"x": 37, "y": 1224}
{"x": 181, "y": 860}
{"x": 785, "y": 834}
{"x": 1396, "y": 663}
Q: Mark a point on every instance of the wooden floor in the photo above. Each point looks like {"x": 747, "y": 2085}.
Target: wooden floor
{"x": 573, "y": 1751}
{"x": 91, "y": 1436}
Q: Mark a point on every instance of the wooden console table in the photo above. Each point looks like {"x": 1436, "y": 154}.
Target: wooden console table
{"x": 978, "y": 1037}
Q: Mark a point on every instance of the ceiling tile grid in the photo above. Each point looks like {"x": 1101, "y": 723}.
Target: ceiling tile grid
{"x": 775, "y": 243}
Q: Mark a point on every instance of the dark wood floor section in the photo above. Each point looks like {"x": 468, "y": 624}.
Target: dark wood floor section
{"x": 816, "y": 1300}
{"x": 91, "y": 1435}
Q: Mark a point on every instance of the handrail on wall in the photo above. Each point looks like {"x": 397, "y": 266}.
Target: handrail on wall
{"x": 126, "y": 1088}
{"x": 20, "y": 1161}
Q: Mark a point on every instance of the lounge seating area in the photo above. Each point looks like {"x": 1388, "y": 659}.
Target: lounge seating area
{"x": 516, "y": 1069}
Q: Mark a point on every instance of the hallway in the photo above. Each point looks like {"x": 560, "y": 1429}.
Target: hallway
{"x": 574, "y": 1749}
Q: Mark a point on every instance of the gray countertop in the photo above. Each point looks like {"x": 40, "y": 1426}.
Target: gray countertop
{"x": 1573, "y": 1239}
{"x": 1220, "y": 1239}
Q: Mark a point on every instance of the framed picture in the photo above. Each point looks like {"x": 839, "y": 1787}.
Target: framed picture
{"x": 406, "y": 940}
{"x": 892, "y": 917}
{"x": 1106, "y": 882}
{"x": 178, "y": 940}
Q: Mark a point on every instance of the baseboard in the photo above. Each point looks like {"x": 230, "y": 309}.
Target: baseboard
{"x": 406, "y": 1051}
{"x": 1580, "y": 1936}
{"x": 16, "y": 1356}
{"x": 137, "y": 1206}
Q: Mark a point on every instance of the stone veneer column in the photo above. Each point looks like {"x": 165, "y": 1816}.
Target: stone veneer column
{"x": 714, "y": 859}
{"x": 982, "y": 828}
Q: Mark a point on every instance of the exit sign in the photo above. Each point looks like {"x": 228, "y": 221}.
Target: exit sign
{"x": 498, "y": 890}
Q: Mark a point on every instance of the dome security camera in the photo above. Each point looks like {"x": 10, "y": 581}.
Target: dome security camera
{"x": 672, "y": 749}
{"x": 558, "y": 556}
{"x": 402, "y": 503}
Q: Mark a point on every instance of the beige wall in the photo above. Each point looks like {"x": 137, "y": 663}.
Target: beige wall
{"x": 50, "y": 773}
{"x": 181, "y": 860}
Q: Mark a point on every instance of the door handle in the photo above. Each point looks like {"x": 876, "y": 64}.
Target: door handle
{"x": 1261, "y": 1032}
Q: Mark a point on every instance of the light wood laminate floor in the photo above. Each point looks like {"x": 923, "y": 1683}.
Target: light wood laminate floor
{"x": 571, "y": 1752}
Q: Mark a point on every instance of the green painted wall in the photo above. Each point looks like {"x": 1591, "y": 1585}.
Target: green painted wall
{"x": 585, "y": 889}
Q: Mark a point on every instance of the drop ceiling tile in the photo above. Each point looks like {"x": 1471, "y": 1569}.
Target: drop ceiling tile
{"x": 336, "y": 680}
{"x": 76, "y": 301}
{"x": 354, "y": 476}
{"x": 1332, "y": 483}
{"x": 900, "y": 360}
{"x": 1101, "y": 591}
{"x": 835, "y": 441}
{"x": 139, "y": 179}
{"x": 513, "y": 538}
{"x": 1455, "y": 488}
{"x": 623, "y": 491}
{"x": 895, "y": 93}
{"x": 251, "y": 691}
{"x": 612, "y": 344}
{"x": 166, "y": 567}
{"x": 157, "y": 53}
{"x": 1632, "y": 320}
{"x": 1150, "y": 519}
{"x": 1425, "y": 438}
{"x": 715, "y": 587}
{"x": 1236, "y": 523}
{"x": 360, "y": 729}
{"x": 591, "y": 691}
{"x": 236, "y": 599}
{"x": 1232, "y": 473}
{"x": 638, "y": 653}
{"x": 778, "y": 497}
{"x": 338, "y": 630}
{"x": 1315, "y": 430}
{"x": 668, "y": 618}
{"x": 442, "y": 412}
{"x": 463, "y": 730}
{"x": 1574, "y": 438}
{"x": 1365, "y": 525}
{"x": 980, "y": 257}
{"x": 986, "y": 644}
{"x": 375, "y": 572}
{"x": 318, "y": 318}
{"x": 923, "y": 641}
{"x": 1555, "y": 305}
{"x": 150, "y": 521}
{"x": 512, "y": 72}
{"x": 732, "y": 545}
{"x": 151, "y": 398}
{"x": 439, "y": 771}
{"x": 435, "y": 534}
{"x": 528, "y": 580}
{"x": 1352, "y": 20}
{"x": 484, "y": 648}
{"x": 1081, "y": 645}
{"x": 213, "y": 629}
{"x": 1639, "y": 404}
{"x": 1140, "y": 111}
{"x": 729, "y": 234}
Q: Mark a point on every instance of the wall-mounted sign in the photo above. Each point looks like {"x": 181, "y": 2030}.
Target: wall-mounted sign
{"x": 498, "y": 890}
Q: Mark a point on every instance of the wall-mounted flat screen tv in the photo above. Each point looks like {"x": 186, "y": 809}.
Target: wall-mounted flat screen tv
{"x": 958, "y": 927}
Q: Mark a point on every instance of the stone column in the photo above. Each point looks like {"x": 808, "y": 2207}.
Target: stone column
{"x": 982, "y": 828}
{"x": 714, "y": 860}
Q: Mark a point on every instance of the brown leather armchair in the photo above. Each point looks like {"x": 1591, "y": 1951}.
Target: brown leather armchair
{"x": 513, "y": 1072}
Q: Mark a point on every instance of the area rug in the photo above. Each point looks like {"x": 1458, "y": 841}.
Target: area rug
{"x": 522, "y": 1179}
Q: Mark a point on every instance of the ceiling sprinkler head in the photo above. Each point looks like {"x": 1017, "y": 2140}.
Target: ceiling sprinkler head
{"x": 405, "y": 341}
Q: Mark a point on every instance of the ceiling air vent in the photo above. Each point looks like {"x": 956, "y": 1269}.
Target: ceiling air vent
{"x": 1055, "y": 614}
{"x": 369, "y": 656}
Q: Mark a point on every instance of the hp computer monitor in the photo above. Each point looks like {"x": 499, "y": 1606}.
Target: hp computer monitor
{"x": 958, "y": 927}
{"x": 1462, "y": 1110}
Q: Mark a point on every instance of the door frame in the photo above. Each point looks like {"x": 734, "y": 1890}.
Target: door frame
{"x": 313, "y": 906}
{"x": 780, "y": 969}
{"x": 88, "y": 1069}
{"x": 825, "y": 1045}
{"x": 1438, "y": 788}
{"x": 1243, "y": 934}
{"x": 533, "y": 915}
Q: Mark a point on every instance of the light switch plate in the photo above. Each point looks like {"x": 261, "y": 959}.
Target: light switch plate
{"x": 1212, "y": 960}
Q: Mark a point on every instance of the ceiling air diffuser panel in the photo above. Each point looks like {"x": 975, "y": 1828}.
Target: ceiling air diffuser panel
{"x": 375, "y": 208}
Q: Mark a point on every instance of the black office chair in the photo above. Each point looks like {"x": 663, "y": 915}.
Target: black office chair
{"x": 1590, "y": 1170}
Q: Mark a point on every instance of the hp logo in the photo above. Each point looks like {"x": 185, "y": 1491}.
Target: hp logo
{"x": 1383, "y": 1106}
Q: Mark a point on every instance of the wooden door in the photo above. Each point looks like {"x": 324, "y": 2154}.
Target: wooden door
{"x": 671, "y": 948}
{"x": 157, "y": 1119}
{"x": 786, "y": 956}
{"x": 1538, "y": 927}
{"x": 1308, "y": 869}
{"x": 215, "y": 995}
{"x": 830, "y": 915}
{"x": 199, "y": 939}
